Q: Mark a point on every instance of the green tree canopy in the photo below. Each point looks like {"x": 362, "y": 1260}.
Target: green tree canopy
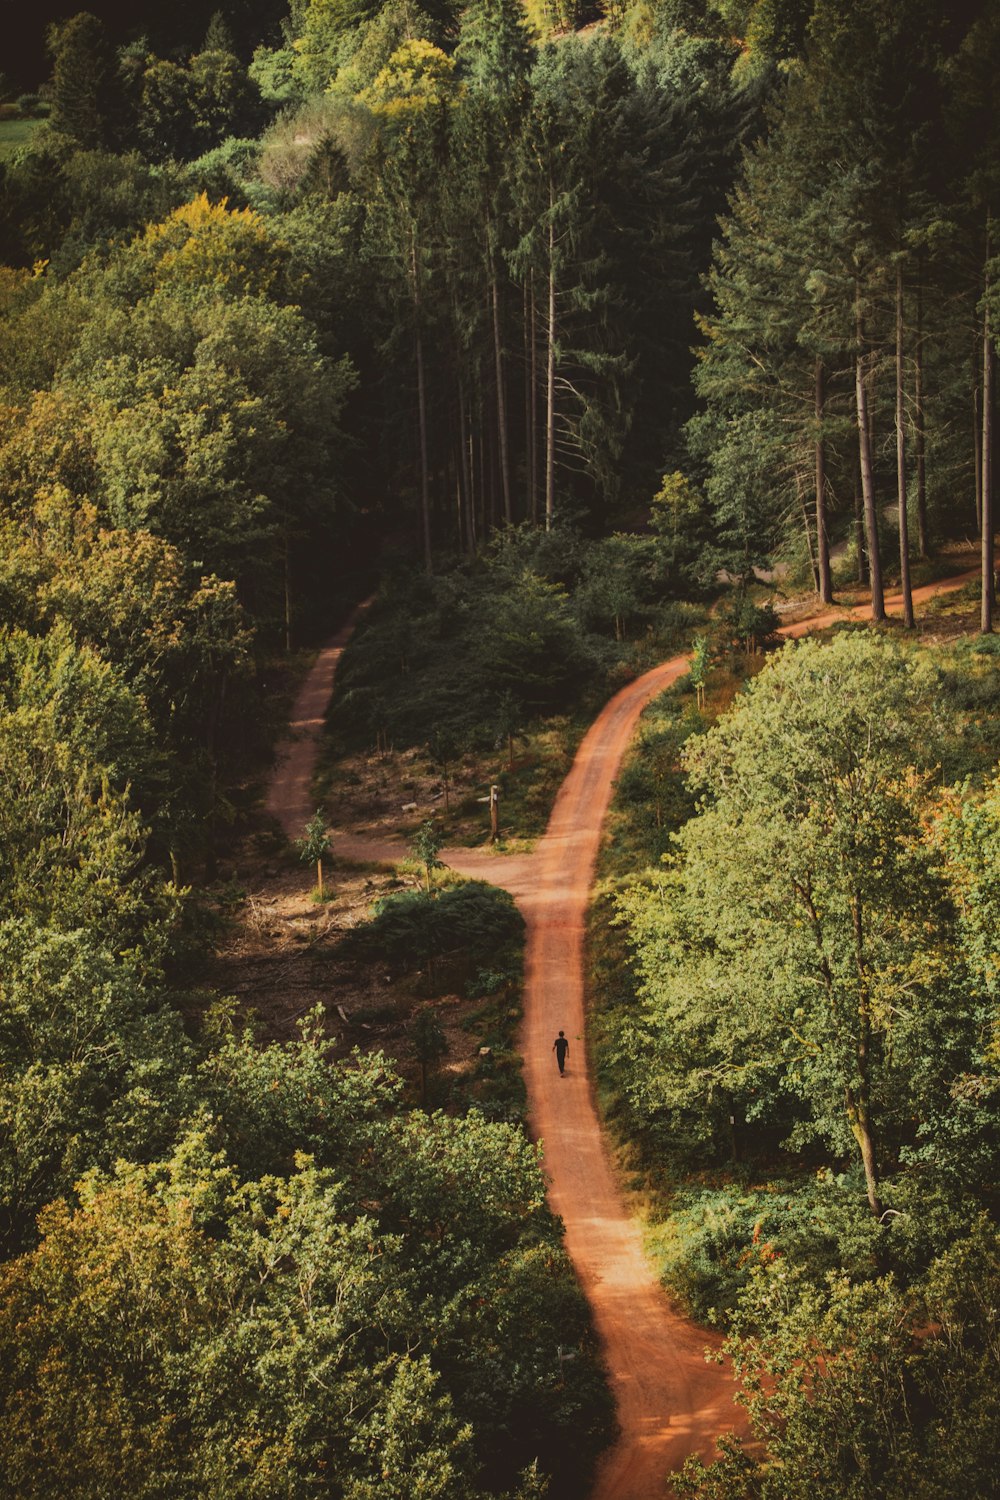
{"x": 803, "y": 938}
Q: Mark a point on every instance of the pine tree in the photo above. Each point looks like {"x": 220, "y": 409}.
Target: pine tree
{"x": 87, "y": 97}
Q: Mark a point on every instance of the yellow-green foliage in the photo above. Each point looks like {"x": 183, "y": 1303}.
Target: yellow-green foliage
{"x": 417, "y": 77}
{"x": 208, "y": 244}
{"x": 546, "y": 17}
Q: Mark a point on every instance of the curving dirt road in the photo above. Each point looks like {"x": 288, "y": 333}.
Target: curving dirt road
{"x": 670, "y": 1402}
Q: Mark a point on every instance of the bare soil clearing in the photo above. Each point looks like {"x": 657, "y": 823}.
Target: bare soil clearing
{"x": 671, "y": 1403}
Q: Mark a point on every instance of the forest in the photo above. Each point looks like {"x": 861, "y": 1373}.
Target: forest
{"x": 564, "y": 338}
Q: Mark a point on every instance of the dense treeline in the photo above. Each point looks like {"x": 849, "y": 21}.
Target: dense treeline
{"x": 295, "y": 1286}
{"x": 509, "y": 239}
{"x": 505, "y": 238}
{"x": 848, "y": 369}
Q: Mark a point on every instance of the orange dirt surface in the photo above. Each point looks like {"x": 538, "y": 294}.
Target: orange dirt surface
{"x": 671, "y": 1403}
{"x": 289, "y": 797}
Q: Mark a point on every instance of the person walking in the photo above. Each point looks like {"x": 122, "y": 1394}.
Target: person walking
{"x": 561, "y": 1049}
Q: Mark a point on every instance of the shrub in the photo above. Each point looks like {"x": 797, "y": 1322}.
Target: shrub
{"x": 473, "y": 919}
{"x": 716, "y": 1235}
{"x": 454, "y": 656}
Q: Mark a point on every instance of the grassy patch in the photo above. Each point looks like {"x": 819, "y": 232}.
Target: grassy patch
{"x": 14, "y": 135}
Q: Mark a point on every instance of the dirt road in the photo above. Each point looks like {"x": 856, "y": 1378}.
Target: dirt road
{"x": 670, "y": 1402}
{"x": 289, "y": 796}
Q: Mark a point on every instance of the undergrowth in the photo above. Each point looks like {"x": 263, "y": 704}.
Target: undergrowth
{"x": 490, "y": 673}
{"x": 463, "y": 941}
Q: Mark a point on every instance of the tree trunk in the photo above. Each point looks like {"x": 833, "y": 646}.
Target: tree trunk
{"x": 919, "y": 435}
{"x": 904, "y": 535}
{"x": 489, "y": 445}
{"x": 425, "y": 497}
{"x": 813, "y": 565}
{"x": 319, "y": 877}
{"x": 550, "y": 374}
{"x": 986, "y": 619}
{"x": 859, "y": 527}
{"x": 528, "y": 333}
{"x": 484, "y": 519}
{"x": 824, "y": 581}
{"x": 977, "y": 438}
{"x": 467, "y": 519}
{"x": 508, "y": 514}
{"x": 860, "y": 1123}
{"x": 867, "y": 479}
{"x": 533, "y": 382}
{"x": 472, "y": 517}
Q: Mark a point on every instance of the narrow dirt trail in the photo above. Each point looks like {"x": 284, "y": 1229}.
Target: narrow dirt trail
{"x": 289, "y": 797}
{"x": 670, "y": 1403}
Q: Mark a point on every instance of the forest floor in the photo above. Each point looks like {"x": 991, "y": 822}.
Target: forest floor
{"x": 280, "y": 959}
{"x": 389, "y": 794}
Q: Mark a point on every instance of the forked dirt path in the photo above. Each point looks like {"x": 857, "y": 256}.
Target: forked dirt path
{"x": 670, "y": 1403}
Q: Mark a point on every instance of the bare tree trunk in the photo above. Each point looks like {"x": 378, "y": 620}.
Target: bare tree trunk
{"x": 484, "y": 520}
{"x": 813, "y": 565}
{"x": 867, "y": 479}
{"x": 919, "y": 434}
{"x": 465, "y": 540}
{"x": 471, "y": 471}
{"x": 860, "y": 1123}
{"x": 508, "y": 514}
{"x": 533, "y": 386}
{"x": 526, "y": 337}
{"x": 425, "y": 498}
{"x": 824, "y": 582}
{"x": 859, "y": 527}
{"x": 550, "y": 375}
{"x": 904, "y": 535}
{"x": 986, "y": 618}
{"x": 977, "y": 437}
{"x": 491, "y": 475}
{"x": 456, "y": 466}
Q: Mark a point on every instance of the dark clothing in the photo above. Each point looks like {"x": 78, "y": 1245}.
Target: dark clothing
{"x": 561, "y": 1047}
